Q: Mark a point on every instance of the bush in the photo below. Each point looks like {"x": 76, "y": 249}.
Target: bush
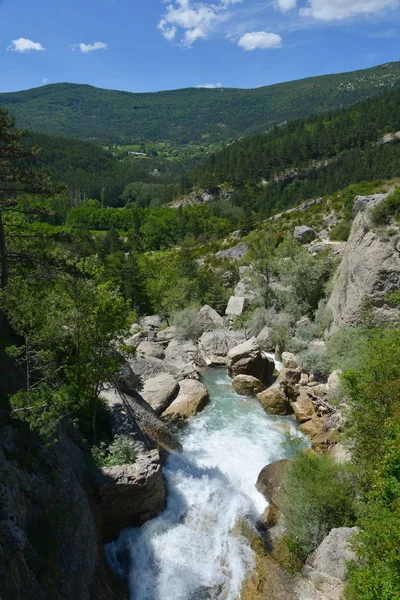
{"x": 387, "y": 209}
{"x": 343, "y": 348}
{"x": 340, "y": 232}
{"x": 318, "y": 495}
{"x": 122, "y": 451}
{"x": 315, "y": 361}
{"x": 189, "y": 324}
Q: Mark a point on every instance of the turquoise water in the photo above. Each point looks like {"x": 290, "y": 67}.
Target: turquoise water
{"x": 189, "y": 552}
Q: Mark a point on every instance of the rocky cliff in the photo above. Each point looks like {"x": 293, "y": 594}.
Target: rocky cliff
{"x": 369, "y": 271}
{"x": 49, "y": 542}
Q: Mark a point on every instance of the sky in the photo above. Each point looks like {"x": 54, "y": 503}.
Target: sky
{"x": 151, "y": 45}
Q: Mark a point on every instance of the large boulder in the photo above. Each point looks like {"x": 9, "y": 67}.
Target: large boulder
{"x": 274, "y": 400}
{"x": 289, "y": 360}
{"x": 236, "y": 306}
{"x": 304, "y": 234}
{"x": 266, "y": 339}
{"x": 151, "y": 323}
{"x": 303, "y": 408}
{"x": 369, "y": 271}
{"x": 129, "y": 494}
{"x": 192, "y": 398}
{"x": 269, "y": 482}
{"x": 247, "y": 385}
{"x": 167, "y": 334}
{"x": 182, "y": 355}
{"x": 215, "y": 345}
{"x": 210, "y": 318}
{"x": 234, "y": 253}
{"x": 151, "y": 349}
{"x": 248, "y": 359}
{"x": 326, "y": 568}
{"x": 159, "y": 391}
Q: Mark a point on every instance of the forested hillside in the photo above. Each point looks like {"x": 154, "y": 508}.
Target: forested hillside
{"x": 188, "y": 115}
{"x": 312, "y": 156}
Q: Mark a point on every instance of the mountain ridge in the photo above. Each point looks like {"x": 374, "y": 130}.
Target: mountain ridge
{"x": 189, "y": 114}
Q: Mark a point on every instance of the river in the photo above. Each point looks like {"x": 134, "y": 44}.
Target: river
{"x": 191, "y": 552}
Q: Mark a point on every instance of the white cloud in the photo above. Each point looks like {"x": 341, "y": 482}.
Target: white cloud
{"x": 45, "y": 80}
{"x": 194, "y": 19}
{"x": 210, "y": 86}
{"x": 25, "y": 45}
{"x": 85, "y": 48}
{"x": 285, "y": 5}
{"x": 331, "y": 10}
{"x": 260, "y": 40}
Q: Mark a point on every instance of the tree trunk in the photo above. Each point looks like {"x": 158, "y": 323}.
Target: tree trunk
{"x": 3, "y": 256}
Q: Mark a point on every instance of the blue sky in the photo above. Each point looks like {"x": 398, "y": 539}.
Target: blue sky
{"x": 150, "y": 45}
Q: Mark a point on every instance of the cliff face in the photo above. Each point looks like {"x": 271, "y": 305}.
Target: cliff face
{"x": 369, "y": 271}
{"x": 49, "y": 542}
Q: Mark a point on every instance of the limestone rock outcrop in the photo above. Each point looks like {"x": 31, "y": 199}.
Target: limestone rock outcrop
{"x": 159, "y": 391}
{"x": 326, "y": 568}
{"x": 304, "y": 234}
{"x": 215, "y": 345}
{"x": 151, "y": 349}
{"x": 192, "y": 398}
{"x": 248, "y": 359}
{"x": 274, "y": 400}
{"x": 129, "y": 495}
{"x": 369, "y": 271}
{"x": 247, "y": 385}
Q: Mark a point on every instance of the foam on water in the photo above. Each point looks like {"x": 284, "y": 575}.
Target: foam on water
{"x": 190, "y": 551}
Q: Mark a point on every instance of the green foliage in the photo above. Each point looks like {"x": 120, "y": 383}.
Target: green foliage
{"x": 340, "y": 232}
{"x": 343, "y": 348}
{"x": 314, "y": 361}
{"x": 374, "y": 434}
{"x": 386, "y": 209}
{"x": 293, "y": 444}
{"x": 189, "y": 324}
{"x": 319, "y": 495}
{"x": 121, "y": 451}
{"x": 111, "y": 116}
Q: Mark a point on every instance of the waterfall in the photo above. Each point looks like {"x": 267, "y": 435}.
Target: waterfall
{"x": 191, "y": 551}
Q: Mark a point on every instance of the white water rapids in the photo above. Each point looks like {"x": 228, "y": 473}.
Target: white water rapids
{"x": 190, "y": 552}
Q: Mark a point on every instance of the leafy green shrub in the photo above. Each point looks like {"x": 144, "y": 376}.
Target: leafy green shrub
{"x": 340, "y": 232}
{"x": 296, "y": 345}
{"x": 307, "y": 332}
{"x": 343, "y": 347}
{"x": 121, "y": 451}
{"x": 318, "y": 495}
{"x": 387, "y": 209}
{"x": 189, "y": 324}
{"x": 315, "y": 361}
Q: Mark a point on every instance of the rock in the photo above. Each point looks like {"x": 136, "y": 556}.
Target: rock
{"x": 151, "y": 349}
{"x": 159, "y": 391}
{"x": 129, "y": 495}
{"x": 146, "y": 419}
{"x": 247, "y": 385}
{"x": 303, "y": 408}
{"x": 167, "y": 334}
{"x": 304, "y": 234}
{"x": 340, "y": 453}
{"x": 215, "y": 345}
{"x": 135, "y": 339}
{"x": 362, "y": 202}
{"x": 334, "y": 380}
{"x": 274, "y": 400}
{"x": 369, "y": 271}
{"x": 289, "y": 377}
{"x": 247, "y": 359}
{"x": 326, "y": 568}
{"x": 127, "y": 379}
{"x": 303, "y": 322}
{"x": 270, "y": 480}
{"x": 50, "y": 539}
{"x": 322, "y": 442}
{"x": 182, "y": 355}
{"x": 289, "y": 360}
{"x": 151, "y": 322}
{"x": 192, "y": 398}
{"x": 211, "y": 319}
{"x": 236, "y": 306}
{"x": 266, "y": 340}
{"x": 312, "y": 427}
{"x": 146, "y": 367}
{"x": 235, "y": 253}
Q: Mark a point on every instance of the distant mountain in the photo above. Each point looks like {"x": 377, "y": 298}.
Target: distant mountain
{"x": 188, "y": 115}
